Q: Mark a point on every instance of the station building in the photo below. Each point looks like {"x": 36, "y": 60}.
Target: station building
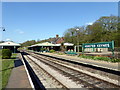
{"x": 49, "y": 46}
{"x": 10, "y": 45}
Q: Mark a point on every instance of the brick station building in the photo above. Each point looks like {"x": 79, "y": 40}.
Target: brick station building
{"x": 10, "y": 45}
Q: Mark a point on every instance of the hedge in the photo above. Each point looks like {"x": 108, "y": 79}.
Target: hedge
{"x": 6, "y": 54}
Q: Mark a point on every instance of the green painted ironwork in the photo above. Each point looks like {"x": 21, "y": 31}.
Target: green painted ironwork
{"x": 99, "y": 45}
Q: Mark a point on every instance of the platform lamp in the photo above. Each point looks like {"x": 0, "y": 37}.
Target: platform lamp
{"x": 2, "y": 29}
{"x": 77, "y": 40}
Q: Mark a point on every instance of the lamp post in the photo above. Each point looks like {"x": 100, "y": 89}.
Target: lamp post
{"x": 1, "y": 29}
{"x": 77, "y": 40}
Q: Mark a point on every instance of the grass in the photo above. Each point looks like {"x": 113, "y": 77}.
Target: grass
{"x": 102, "y": 58}
{"x": 7, "y": 66}
{"x": 59, "y": 53}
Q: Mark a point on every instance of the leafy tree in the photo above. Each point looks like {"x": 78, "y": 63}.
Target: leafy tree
{"x": 108, "y": 23}
{"x": 73, "y": 35}
{"x": 28, "y": 43}
{"x": 104, "y": 29}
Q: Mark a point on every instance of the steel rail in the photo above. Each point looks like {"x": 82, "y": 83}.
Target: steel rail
{"x": 88, "y": 75}
{"x": 59, "y": 83}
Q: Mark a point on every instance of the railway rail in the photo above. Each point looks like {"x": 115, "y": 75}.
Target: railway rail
{"x": 55, "y": 83}
{"x": 86, "y": 80}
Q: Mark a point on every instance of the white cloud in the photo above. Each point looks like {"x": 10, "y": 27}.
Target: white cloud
{"x": 89, "y": 23}
{"x": 19, "y": 31}
{"x": 8, "y": 39}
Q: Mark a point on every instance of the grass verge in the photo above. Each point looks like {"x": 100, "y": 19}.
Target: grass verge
{"x": 102, "y": 58}
{"x": 7, "y": 66}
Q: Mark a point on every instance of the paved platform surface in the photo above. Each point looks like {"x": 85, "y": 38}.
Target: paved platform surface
{"x": 104, "y": 64}
{"x": 18, "y": 77}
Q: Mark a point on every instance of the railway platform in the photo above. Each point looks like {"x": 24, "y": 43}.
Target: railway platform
{"x": 19, "y": 76}
{"x": 97, "y": 63}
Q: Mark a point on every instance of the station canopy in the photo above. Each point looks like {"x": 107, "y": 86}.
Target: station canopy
{"x": 9, "y": 44}
{"x": 50, "y": 44}
{"x": 44, "y": 44}
{"x": 68, "y": 44}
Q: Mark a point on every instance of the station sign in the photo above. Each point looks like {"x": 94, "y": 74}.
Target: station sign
{"x": 98, "y": 45}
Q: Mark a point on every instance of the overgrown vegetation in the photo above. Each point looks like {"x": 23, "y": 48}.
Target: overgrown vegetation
{"x": 102, "y": 58}
{"x": 6, "y": 54}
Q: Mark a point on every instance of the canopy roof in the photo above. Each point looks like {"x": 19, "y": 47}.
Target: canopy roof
{"x": 44, "y": 44}
{"x": 68, "y": 44}
{"x": 50, "y": 44}
{"x": 9, "y": 44}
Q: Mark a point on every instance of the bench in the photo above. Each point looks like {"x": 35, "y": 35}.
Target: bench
{"x": 70, "y": 53}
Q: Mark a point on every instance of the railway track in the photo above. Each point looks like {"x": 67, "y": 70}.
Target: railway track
{"x": 53, "y": 82}
{"x": 103, "y": 73}
{"x": 79, "y": 77}
{"x": 86, "y": 80}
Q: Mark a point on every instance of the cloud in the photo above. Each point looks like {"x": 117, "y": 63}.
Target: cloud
{"x": 89, "y": 23}
{"x": 8, "y": 39}
{"x": 19, "y": 31}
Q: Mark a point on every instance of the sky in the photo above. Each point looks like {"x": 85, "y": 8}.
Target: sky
{"x": 42, "y": 20}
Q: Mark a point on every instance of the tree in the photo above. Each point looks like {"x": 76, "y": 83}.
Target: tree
{"x": 108, "y": 23}
{"x": 74, "y": 36}
{"x": 94, "y": 33}
{"x": 28, "y": 43}
{"x": 104, "y": 29}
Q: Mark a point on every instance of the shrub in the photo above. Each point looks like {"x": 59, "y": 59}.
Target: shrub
{"x": 42, "y": 49}
{"x": 51, "y": 51}
{"x": 101, "y": 58}
{"x": 6, "y": 54}
{"x": 86, "y": 56}
{"x": 115, "y": 60}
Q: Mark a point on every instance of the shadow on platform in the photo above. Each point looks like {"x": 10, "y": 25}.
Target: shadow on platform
{"x": 7, "y": 69}
{"x": 18, "y": 63}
